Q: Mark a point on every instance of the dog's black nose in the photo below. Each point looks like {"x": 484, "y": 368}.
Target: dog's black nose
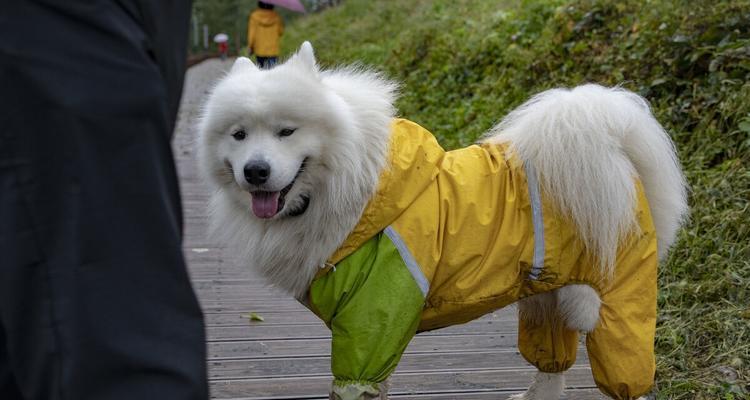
{"x": 257, "y": 172}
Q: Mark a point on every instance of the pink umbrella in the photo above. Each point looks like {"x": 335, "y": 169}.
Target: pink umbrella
{"x": 293, "y": 5}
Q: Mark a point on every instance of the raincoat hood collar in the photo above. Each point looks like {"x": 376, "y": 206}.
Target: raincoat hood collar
{"x": 414, "y": 158}
{"x": 265, "y": 17}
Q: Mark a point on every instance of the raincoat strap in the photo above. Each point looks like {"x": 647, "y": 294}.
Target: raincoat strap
{"x": 549, "y": 346}
{"x": 537, "y": 217}
{"x": 373, "y": 306}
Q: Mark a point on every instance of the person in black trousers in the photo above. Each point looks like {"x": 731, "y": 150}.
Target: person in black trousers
{"x": 95, "y": 300}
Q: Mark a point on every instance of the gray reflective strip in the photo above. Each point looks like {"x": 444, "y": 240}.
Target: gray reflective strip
{"x": 409, "y": 260}
{"x": 537, "y": 220}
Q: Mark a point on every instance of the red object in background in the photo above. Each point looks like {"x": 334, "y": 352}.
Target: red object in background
{"x": 223, "y": 49}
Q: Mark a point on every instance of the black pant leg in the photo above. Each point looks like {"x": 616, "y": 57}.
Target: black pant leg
{"x": 8, "y": 387}
{"x": 95, "y": 300}
{"x": 266, "y": 62}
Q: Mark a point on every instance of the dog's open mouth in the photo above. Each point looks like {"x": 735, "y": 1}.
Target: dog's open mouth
{"x": 268, "y": 204}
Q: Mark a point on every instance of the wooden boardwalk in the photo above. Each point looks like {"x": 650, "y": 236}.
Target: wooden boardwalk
{"x": 287, "y": 355}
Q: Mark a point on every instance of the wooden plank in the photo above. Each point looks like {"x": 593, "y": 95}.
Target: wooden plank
{"x": 223, "y": 272}
{"x": 305, "y": 317}
{"x": 199, "y": 284}
{"x": 271, "y": 304}
{"x": 225, "y": 350}
{"x": 258, "y": 306}
{"x": 410, "y": 363}
{"x": 298, "y": 317}
{"x": 233, "y": 296}
{"x": 263, "y": 331}
{"x": 248, "y": 288}
{"x": 512, "y": 380}
{"x": 570, "y": 394}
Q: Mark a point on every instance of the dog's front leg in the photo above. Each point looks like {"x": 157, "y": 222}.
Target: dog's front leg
{"x": 369, "y": 336}
{"x": 359, "y": 391}
{"x": 373, "y": 306}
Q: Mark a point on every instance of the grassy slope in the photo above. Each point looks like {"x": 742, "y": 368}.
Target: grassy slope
{"x": 464, "y": 64}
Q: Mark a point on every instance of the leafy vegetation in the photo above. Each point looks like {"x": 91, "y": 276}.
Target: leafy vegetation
{"x": 464, "y": 64}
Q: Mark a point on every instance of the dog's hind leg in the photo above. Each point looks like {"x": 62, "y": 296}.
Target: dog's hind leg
{"x": 545, "y": 387}
{"x": 578, "y": 306}
{"x": 545, "y": 341}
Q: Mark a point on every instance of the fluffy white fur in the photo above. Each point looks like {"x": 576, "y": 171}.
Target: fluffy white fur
{"x": 578, "y": 306}
{"x": 544, "y": 387}
{"x": 586, "y": 144}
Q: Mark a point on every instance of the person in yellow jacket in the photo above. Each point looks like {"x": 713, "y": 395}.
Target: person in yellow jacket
{"x": 435, "y": 247}
{"x": 264, "y": 30}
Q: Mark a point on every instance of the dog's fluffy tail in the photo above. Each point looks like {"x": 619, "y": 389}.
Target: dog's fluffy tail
{"x": 587, "y": 145}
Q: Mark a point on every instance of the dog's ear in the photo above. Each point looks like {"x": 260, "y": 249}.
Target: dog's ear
{"x": 305, "y": 58}
{"x": 243, "y": 64}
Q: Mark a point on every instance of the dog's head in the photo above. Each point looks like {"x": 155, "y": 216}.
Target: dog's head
{"x": 264, "y": 134}
{"x": 294, "y": 154}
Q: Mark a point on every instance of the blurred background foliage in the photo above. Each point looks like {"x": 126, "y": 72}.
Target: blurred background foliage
{"x": 464, "y": 64}
{"x": 230, "y": 17}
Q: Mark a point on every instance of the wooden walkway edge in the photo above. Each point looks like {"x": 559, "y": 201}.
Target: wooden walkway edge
{"x": 286, "y": 356}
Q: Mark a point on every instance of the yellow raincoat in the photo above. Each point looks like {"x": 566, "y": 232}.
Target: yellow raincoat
{"x": 473, "y": 232}
{"x": 264, "y": 28}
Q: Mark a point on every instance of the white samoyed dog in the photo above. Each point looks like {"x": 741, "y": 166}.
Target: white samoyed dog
{"x": 295, "y": 153}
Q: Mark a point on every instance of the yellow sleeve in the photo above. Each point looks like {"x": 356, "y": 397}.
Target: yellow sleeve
{"x": 281, "y": 26}
{"x": 550, "y": 347}
{"x": 250, "y": 32}
{"x": 621, "y": 348}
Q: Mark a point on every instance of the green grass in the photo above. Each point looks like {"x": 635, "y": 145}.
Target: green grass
{"x": 465, "y": 64}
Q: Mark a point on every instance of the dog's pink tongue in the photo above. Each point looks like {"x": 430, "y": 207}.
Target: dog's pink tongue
{"x": 265, "y": 204}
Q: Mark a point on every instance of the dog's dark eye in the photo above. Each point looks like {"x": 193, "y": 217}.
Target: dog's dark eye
{"x": 286, "y": 131}
{"x": 239, "y": 135}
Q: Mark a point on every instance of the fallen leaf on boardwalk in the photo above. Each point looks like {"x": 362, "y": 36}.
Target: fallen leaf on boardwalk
{"x": 253, "y": 317}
